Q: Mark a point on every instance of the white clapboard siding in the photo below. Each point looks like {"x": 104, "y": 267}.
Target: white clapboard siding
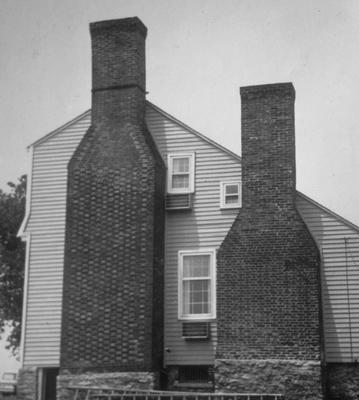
{"x": 338, "y": 241}
{"x": 46, "y": 224}
{"x": 203, "y": 227}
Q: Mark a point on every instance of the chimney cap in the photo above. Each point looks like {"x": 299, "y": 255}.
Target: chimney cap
{"x": 281, "y": 89}
{"x": 124, "y": 24}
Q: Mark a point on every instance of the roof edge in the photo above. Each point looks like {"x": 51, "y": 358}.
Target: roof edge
{"x": 62, "y": 127}
{"x": 174, "y": 119}
{"x": 342, "y": 219}
{"x": 22, "y": 231}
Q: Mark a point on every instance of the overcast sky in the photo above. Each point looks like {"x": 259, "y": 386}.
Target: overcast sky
{"x": 199, "y": 52}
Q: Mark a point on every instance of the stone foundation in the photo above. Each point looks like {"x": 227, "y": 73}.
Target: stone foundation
{"x": 27, "y": 384}
{"x": 296, "y": 380}
{"x": 342, "y": 381}
{"x": 128, "y": 380}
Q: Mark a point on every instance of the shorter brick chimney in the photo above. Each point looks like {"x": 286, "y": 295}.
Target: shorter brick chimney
{"x": 268, "y": 297}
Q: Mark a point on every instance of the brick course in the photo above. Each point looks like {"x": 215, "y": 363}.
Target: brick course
{"x": 268, "y": 298}
{"x": 112, "y": 315}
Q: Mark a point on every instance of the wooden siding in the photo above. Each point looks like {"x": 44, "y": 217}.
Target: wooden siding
{"x": 206, "y": 226}
{"x": 338, "y": 242}
{"x": 46, "y": 224}
{"x": 203, "y": 227}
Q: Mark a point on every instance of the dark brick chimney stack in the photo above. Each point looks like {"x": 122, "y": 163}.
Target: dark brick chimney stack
{"x": 118, "y": 68}
{"x": 268, "y": 146}
{"x": 268, "y": 291}
{"x": 113, "y": 270}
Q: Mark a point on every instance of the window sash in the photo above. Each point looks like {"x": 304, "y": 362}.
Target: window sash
{"x": 196, "y": 296}
{"x": 230, "y": 198}
{"x": 180, "y": 176}
{"x": 196, "y": 287}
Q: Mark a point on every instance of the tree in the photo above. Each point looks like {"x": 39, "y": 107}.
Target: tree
{"x": 12, "y": 261}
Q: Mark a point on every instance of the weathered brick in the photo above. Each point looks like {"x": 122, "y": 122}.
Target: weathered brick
{"x": 268, "y": 296}
{"x": 112, "y": 316}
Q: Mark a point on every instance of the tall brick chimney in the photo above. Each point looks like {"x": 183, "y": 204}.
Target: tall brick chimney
{"x": 113, "y": 272}
{"x": 268, "y": 296}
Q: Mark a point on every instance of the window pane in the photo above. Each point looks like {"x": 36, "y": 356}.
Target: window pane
{"x": 180, "y": 165}
{"x": 231, "y": 189}
{"x": 196, "y": 266}
{"x": 196, "y": 297}
{"x": 233, "y": 199}
{"x": 180, "y": 181}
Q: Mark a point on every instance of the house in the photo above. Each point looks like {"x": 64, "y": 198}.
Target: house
{"x": 156, "y": 258}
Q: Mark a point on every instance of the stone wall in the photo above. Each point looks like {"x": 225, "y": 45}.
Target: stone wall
{"x": 128, "y": 380}
{"x": 296, "y": 380}
{"x": 27, "y": 384}
{"x": 342, "y": 381}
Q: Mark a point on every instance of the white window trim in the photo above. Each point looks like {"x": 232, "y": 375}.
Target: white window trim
{"x": 170, "y": 157}
{"x": 223, "y": 194}
{"x": 192, "y": 317}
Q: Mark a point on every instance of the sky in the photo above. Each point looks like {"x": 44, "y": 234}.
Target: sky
{"x": 199, "y": 52}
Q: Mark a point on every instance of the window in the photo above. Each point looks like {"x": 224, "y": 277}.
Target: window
{"x": 195, "y": 374}
{"x": 180, "y": 173}
{"x": 197, "y": 296}
{"x": 231, "y": 195}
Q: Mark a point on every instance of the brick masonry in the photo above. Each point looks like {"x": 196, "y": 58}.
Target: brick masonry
{"x": 27, "y": 384}
{"x": 113, "y": 275}
{"x": 268, "y": 296}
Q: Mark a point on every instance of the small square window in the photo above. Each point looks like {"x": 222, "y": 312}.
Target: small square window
{"x": 231, "y": 195}
{"x": 180, "y": 178}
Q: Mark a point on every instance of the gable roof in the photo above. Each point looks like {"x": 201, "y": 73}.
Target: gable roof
{"x": 194, "y": 132}
{"x": 148, "y": 103}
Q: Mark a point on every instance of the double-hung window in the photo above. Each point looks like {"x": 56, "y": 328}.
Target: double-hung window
{"x": 197, "y": 296}
{"x": 180, "y": 173}
{"x": 231, "y": 195}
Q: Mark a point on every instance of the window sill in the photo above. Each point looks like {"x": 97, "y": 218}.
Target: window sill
{"x": 197, "y": 319}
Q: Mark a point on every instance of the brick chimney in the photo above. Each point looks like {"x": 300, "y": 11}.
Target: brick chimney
{"x": 113, "y": 271}
{"x": 268, "y": 296}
